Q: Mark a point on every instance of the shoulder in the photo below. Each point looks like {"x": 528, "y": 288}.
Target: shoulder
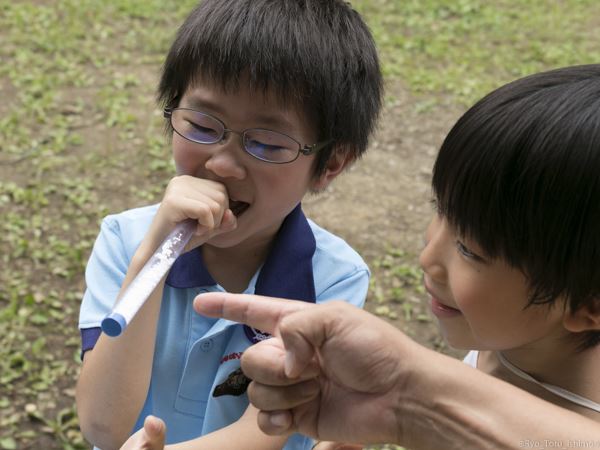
{"x": 129, "y": 227}
{"x": 120, "y": 235}
{"x": 338, "y": 270}
{"x": 331, "y": 249}
{"x": 131, "y": 219}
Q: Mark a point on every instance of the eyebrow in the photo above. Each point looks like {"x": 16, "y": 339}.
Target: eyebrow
{"x": 268, "y": 120}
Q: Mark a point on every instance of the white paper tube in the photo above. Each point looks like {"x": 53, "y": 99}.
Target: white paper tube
{"x": 147, "y": 279}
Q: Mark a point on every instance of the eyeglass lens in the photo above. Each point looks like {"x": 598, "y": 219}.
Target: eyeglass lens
{"x": 265, "y": 145}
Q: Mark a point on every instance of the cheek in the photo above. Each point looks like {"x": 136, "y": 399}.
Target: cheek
{"x": 484, "y": 304}
{"x": 284, "y": 184}
{"x": 186, "y": 156}
{"x": 469, "y": 294}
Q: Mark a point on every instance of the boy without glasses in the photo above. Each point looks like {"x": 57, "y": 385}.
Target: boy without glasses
{"x": 512, "y": 260}
{"x": 266, "y": 100}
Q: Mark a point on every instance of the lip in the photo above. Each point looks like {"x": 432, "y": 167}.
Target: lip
{"x": 440, "y": 309}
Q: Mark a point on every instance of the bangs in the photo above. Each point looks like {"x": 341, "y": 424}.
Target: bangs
{"x": 225, "y": 44}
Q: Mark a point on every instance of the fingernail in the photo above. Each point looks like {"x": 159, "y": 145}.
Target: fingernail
{"x": 289, "y": 364}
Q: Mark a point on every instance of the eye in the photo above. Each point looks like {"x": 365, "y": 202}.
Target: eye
{"x": 462, "y": 248}
{"x": 260, "y": 147}
{"x": 270, "y": 145}
{"x": 197, "y": 126}
{"x": 201, "y": 133}
{"x": 200, "y": 128}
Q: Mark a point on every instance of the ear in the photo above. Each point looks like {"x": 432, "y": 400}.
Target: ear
{"x": 586, "y": 318}
{"x": 337, "y": 162}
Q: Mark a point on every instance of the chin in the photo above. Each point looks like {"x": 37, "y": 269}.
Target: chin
{"x": 461, "y": 342}
{"x": 225, "y": 240}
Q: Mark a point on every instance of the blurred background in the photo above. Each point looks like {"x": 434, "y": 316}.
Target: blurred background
{"x": 81, "y": 136}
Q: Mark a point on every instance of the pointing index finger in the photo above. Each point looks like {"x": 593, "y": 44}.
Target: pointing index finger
{"x": 257, "y": 311}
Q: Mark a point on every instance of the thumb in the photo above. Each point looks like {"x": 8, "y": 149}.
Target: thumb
{"x": 228, "y": 222}
{"x": 203, "y": 234}
{"x": 303, "y": 333}
{"x": 155, "y": 429}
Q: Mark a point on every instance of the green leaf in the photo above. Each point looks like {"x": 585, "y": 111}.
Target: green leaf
{"x": 8, "y": 443}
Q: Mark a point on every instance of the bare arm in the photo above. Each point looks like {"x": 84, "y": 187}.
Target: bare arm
{"x": 115, "y": 375}
{"x": 242, "y": 434}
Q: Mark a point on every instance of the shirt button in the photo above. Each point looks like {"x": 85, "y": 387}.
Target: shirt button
{"x": 206, "y": 346}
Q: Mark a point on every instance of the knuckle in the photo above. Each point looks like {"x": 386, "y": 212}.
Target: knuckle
{"x": 215, "y": 207}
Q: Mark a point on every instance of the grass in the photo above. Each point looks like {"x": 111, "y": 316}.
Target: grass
{"x": 465, "y": 48}
{"x": 80, "y": 136}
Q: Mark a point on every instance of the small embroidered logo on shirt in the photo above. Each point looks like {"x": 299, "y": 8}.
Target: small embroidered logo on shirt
{"x": 235, "y": 384}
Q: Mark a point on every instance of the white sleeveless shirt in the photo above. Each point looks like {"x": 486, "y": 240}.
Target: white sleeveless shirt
{"x": 471, "y": 360}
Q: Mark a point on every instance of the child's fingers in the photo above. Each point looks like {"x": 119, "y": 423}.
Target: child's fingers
{"x": 203, "y": 233}
{"x": 207, "y": 212}
{"x": 228, "y": 222}
{"x": 337, "y": 446}
{"x": 195, "y": 198}
{"x": 155, "y": 430}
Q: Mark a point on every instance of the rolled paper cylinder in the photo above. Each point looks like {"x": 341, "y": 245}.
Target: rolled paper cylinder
{"x": 147, "y": 279}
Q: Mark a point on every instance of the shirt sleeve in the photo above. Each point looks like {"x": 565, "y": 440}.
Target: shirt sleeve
{"x": 351, "y": 289}
{"x": 104, "y": 275}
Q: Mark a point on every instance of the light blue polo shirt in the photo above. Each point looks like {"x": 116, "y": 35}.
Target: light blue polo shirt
{"x": 196, "y": 386}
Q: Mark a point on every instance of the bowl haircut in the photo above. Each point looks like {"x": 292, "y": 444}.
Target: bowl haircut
{"x": 317, "y": 55}
{"x": 519, "y": 174}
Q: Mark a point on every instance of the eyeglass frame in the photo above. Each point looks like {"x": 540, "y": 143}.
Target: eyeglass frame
{"x": 306, "y": 150}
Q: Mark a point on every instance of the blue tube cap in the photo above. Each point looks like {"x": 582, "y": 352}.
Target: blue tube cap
{"x": 113, "y": 324}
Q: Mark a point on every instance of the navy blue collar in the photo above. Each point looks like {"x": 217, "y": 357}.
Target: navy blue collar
{"x": 287, "y": 271}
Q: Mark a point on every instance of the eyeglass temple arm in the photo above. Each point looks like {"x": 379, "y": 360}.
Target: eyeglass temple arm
{"x": 310, "y": 149}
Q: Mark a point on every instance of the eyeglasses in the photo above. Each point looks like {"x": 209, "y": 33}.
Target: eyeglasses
{"x": 266, "y": 145}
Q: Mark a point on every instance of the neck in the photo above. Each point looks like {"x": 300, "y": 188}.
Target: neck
{"x": 557, "y": 363}
{"x": 234, "y": 267}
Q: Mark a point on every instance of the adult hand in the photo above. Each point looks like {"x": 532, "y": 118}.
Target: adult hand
{"x": 331, "y": 372}
{"x": 150, "y": 437}
{"x": 337, "y": 373}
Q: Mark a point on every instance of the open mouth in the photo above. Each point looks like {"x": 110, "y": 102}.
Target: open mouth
{"x": 238, "y": 208}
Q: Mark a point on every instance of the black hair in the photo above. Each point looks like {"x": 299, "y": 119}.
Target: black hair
{"x": 317, "y": 54}
{"x": 519, "y": 173}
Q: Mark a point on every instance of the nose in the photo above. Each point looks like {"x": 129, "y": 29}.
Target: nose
{"x": 225, "y": 161}
{"x": 433, "y": 256}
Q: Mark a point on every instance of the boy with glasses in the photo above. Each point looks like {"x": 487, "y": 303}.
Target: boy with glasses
{"x": 265, "y": 100}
